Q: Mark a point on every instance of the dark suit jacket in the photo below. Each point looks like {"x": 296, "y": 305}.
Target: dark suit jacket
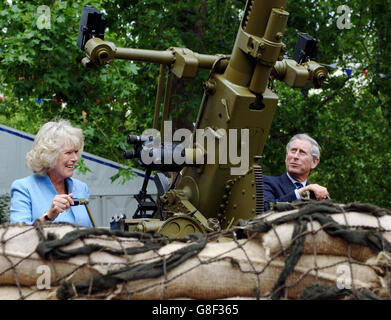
{"x": 278, "y": 189}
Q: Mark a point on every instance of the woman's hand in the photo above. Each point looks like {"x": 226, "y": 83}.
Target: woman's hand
{"x": 60, "y": 203}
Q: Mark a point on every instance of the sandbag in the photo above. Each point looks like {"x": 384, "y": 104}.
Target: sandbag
{"x": 279, "y": 239}
{"x": 223, "y": 270}
{"x": 20, "y": 263}
{"x": 212, "y": 270}
{"x": 350, "y": 218}
{"x": 331, "y": 271}
{"x": 26, "y": 293}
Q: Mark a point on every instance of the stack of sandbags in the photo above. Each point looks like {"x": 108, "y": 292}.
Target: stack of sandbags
{"x": 318, "y": 241}
{"x": 108, "y": 265}
{"x": 21, "y": 266}
{"x": 240, "y": 269}
{"x": 26, "y": 293}
{"x": 345, "y": 248}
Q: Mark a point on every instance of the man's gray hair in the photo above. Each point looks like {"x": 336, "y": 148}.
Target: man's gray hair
{"x": 315, "y": 152}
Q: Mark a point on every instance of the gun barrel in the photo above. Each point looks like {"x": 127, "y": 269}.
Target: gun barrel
{"x": 162, "y": 57}
{"x": 166, "y": 57}
{"x": 185, "y": 62}
{"x": 206, "y": 61}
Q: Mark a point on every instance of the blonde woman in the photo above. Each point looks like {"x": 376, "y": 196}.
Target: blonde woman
{"x": 48, "y": 193}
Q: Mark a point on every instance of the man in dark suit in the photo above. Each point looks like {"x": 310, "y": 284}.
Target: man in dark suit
{"x": 302, "y": 156}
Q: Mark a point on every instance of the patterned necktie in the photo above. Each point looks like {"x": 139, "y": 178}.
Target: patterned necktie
{"x": 298, "y": 185}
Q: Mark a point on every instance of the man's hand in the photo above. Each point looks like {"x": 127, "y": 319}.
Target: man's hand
{"x": 320, "y": 192}
{"x": 60, "y": 203}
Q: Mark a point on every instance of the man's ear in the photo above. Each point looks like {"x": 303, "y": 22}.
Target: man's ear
{"x": 314, "y": 163}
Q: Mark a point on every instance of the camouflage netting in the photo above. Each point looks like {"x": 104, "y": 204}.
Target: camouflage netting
{"x": 303, "y": 250}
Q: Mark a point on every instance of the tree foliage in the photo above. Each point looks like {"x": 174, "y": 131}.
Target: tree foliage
{"x": 350, "y": 116}
{"x": 44, "y": 65}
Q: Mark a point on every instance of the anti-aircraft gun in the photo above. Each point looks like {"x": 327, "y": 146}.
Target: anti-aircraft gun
{"x": 211, "y": 188}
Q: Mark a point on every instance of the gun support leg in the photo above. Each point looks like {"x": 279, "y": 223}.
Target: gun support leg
{"x": 158, "y": 97}
{"x": 90, "y": 215}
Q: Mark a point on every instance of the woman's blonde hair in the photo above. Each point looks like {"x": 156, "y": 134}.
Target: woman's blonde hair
{"x": 51, "y": 137}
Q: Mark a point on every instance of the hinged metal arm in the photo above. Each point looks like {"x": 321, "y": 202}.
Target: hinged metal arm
{"x": 184, "y": 62}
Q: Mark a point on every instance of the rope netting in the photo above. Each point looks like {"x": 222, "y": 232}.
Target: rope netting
{"x": 303, "y": 250}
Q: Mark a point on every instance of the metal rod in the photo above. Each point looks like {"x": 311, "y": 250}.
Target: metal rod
{"x": 145, "y": 182}
{"x": 158, "y": 97}
{"x": 167, "y": 98}
{"x": 90, "y": 215}
{"x": 163, "y": 57}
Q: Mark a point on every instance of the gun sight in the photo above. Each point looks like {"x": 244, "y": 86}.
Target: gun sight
{"x": 92, "y": 25}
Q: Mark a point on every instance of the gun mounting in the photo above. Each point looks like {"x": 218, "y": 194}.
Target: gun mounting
{"x": 208, "y": 196}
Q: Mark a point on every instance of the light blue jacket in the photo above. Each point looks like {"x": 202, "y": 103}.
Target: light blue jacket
{"x": 32, "y": 196}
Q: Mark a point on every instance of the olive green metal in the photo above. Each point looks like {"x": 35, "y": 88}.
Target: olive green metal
{"x": 236, "y": 97}
{"x": 240, "y": 200}
{"x": 100, "y": 52}
{"x": 167, "y": 99}
{"x": 185, "y": 63}
{"x": 318, "y": 73}
{"x": 237, "y": 104}
{"x": 297, "y": 76}
{"x": 177, "y": 226}
{"x": 250, "y": 43}
{"x": 158, "y": 100}
{"x": 141, "y": 55}
{"x": 151, "y": 225}
{"x": 269, "y": 50}
{"x": 84, "y": 201}
{"x": 141, "y": 225}
{"x": 180, "y": 226}
{"x": 176, "y": 201}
